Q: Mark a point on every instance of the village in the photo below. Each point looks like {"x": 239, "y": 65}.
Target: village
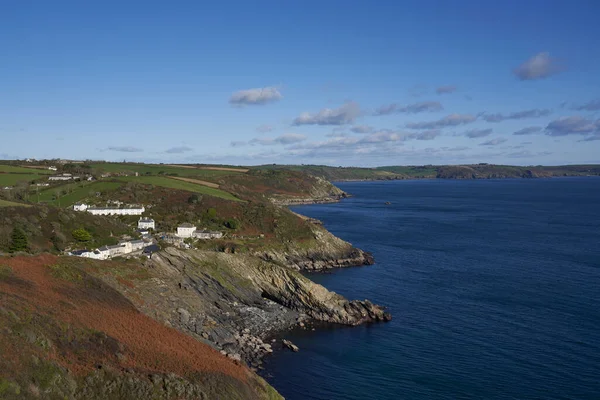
{"x": 183, "y": 237}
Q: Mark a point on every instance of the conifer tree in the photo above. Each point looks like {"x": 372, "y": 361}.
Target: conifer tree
{"x": 18, "y": 241}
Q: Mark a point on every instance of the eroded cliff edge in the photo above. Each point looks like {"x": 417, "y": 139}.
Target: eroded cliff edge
{"x": 234, "y": 302}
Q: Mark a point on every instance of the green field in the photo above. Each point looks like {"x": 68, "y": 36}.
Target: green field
{"x": 156, "y": 169}
{"x": 180, "y": 185}
{"x": 21, "y": 170}
{"x": 12, "y": 179}
{"x": 4, "y": 203}
{"x": 77, "y": 192}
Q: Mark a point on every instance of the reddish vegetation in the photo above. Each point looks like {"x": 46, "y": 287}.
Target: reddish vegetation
{"x": 89, "y": 305}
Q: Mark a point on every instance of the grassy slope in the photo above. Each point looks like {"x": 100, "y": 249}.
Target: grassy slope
{"x": 78, "y": 192}
{"x": 5, "y": 203}
{"x": 179, "y": 185}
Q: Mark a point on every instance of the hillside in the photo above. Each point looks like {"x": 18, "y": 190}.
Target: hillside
{"x": 66, "y": 334}
{"x": 474, "y": 171}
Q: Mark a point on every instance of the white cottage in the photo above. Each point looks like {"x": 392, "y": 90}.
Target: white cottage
{"x": 146, "y": 223}
{"x": 206, "y": 234}
{"x": 185, "y": 230}
{"x": 80, "y": 207}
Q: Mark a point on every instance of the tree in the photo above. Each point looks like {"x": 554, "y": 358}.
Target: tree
{"x": 194, "y": 199}
{"x": 18, "y": 241}
{"x": 81, "y": 235}
{"x": 232, "y": 223}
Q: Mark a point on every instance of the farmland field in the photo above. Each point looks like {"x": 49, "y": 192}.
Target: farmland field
{"x": 154, "y": 169}
{"x": 79, "y": 191}
{"x": 21, "y": 170}
{"x": 5, "y": 203}
{"x": 180, "y": 185}
{"x": 12, "y": 179}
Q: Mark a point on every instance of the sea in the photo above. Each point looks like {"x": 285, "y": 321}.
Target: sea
{"x": 494, "y": 288}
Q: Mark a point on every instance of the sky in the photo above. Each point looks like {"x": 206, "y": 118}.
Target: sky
{"x": 353, "y": 83}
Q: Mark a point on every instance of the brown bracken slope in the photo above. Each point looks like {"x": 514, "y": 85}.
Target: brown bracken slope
{"x": 79, "y": 323}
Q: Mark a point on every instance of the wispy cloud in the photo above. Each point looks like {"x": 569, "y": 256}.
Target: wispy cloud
{"x": 178, "y": 150}
{"x": 362, "y": 129}
{"x": 574, "y": 125}
{"x": 493, "y": 142}
{"x": 477, "y": 133}
{"x": 264, "y": 128}
{"x": 346, "y": 114}
{"x": 238, "y": 143}
{"x": 426, "y": 106}
{"x": 529, "y": 130}
{"x": 539, "y": 66}
{"x": 256, "y": 96}
{"x": 449, "y": 120}
{"x": 446, "y": 89}
{"x": 426, "y": 135}
{"x": 125, "y": 149}
{"x": 593, "y": 105}
{"x": 535, "y": 113}
{"x": 288, "y": 138}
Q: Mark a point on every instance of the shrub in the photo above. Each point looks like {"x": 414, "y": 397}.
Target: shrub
{"x": 81, "y": 235}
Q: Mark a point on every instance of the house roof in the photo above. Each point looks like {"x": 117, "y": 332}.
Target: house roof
{"x": 79, "y": 252}
{"x": 143, "y": 219}
{"x": 137, "y": 241}
{"x": 153, "y": 248}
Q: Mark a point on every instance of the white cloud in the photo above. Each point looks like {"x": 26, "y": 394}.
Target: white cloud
{"x": 256, "y": 96}
{"x": 362, "y": 129}
{"x": 346, "y": 114}
{"x": 125, "y": 149}
{"x": 288, "y": 138}
{"x": 539, "y": 66}
{"x": 178, "y": 150}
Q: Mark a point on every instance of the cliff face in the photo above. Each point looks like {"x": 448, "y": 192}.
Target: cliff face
{"x": 234, "y": 302}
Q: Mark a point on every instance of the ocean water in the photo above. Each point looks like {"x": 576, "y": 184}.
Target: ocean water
{"x": 494, "y": 287}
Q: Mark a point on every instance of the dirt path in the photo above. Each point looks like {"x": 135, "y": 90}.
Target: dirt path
{"x": 197, "y": 181}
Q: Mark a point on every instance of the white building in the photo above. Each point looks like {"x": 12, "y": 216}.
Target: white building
{"x": 133, "y": 210}
{"x": 63, "y": 177}
{"x": 80, "y": 207}
{"x": 106, "y": 252}
{"x": 146, "y": 223}
{"x": 52, "y": 168}
{"x": 205, "y": 234}
{"x": 185, "y": 230}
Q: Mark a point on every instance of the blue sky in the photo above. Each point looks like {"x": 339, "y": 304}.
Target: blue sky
{"x": 340, "y": 83}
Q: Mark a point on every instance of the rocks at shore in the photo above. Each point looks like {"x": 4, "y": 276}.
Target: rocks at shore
{"x": 288, "y": 344}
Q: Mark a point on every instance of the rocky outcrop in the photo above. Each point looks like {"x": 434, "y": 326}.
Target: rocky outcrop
{"x": 326, "y": 252}
{"x": 234, "y": 302}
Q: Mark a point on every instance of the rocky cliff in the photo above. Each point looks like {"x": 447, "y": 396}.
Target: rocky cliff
{"x": 236, "y": 302}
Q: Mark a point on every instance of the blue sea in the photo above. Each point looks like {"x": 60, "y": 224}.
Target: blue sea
{"x": 494, "y": 286}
